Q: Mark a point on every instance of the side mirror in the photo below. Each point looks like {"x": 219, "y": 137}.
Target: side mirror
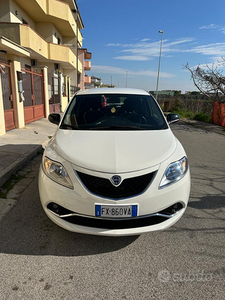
{"x": 54, "y": 118}
{"x": 172, "y": 118}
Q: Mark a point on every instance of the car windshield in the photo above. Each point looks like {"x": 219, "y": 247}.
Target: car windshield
{"x": 113, "y": 112}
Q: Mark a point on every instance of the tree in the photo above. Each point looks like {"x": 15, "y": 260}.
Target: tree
{"x": 209, "y": 81}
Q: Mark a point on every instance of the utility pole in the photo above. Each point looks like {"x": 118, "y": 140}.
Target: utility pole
{"x": 160, "y": 53}
{"x": 126, "y": 78}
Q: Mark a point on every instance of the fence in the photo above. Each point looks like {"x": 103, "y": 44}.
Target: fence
{"x": 187, "y": 104}
{"x": 73, "y": 90}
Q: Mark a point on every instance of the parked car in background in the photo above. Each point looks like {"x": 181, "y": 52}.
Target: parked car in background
{"x": 114, "y": 166}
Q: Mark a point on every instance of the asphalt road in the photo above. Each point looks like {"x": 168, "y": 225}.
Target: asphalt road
{"x": 39, "y": 260}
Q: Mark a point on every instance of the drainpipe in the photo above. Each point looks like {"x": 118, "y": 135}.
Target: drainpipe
{"x": 60, "y": 88}
{"x": 77, "y": 48}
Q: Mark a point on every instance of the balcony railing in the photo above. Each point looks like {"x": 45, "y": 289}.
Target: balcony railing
{"x": 62, "y": 53}
{"x": 87, "y": 79}
{"x": 80, "y": 38}
{"x": 87, "y": 65}
{"x": 80, "y": 66}
{"x": 49, "y": 51}
{"x": 32, "y": 40}
{"x": 53, "y": 11}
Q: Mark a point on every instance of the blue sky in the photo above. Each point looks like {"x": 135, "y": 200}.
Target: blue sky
{"x": 123, "y": 35}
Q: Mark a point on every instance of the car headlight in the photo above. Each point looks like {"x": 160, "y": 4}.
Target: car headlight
{"x": 56, "y": 172}
{"x": 174, "y": 172}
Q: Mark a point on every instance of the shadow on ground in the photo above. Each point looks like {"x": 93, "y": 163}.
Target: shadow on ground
{"x": 26, "y": 230}
{"x": 208, "y": 202}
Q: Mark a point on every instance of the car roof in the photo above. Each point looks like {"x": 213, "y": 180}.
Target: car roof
{"x": 103, "y": 91}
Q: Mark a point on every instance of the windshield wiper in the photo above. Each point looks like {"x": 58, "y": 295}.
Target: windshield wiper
{"x": 116, "y": 127}
{"x": 64, "y": 126}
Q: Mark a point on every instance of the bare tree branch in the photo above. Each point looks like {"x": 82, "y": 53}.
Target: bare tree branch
{"x": 194, "y": 81}
{"x": 209, "y": 81}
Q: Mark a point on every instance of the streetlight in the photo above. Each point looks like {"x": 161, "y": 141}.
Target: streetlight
{"x": 157, "y": 86}
{"x": 126, "y": 78}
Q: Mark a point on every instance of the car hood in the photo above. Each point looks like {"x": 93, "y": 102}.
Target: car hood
{"x": 115, "y": 151}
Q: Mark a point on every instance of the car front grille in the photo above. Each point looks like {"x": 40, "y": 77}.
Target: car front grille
{"x": 103, "y": 187}
{"x": 104, "y": 223}
{"x": 115, "y": 224}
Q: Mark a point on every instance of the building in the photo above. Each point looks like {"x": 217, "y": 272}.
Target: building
{"x": 167, "y": 93}
{"x": 95, "y": 83}
{"x": 84, "y": 79}
{"x": 105, "y": 85}
{"x": 40, "y": 67}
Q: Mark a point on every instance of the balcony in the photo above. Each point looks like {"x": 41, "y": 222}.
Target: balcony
{"x": 79, "y": 66}
{"x": 41, "y": 50}
{"x": 87, "y": 55}
{"x": 87, "y": 79}
{"x": 80, "y": 39}
{"x": 62, "y": 54}
{"x": 52, "y": 11}
{"x": 61, "y": 10}
{"x": 87, "y": 65}
{"x": 33, "y": 41}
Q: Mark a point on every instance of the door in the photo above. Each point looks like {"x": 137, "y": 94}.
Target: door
{"x": 54, "y": 93}
{"x": 8, "y": 95}
{"x": 33, "y": 87}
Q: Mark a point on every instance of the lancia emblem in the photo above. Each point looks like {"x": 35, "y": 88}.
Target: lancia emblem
{"x": 116, "y": 180}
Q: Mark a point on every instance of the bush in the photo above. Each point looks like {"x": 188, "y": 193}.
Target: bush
{"x": 189, "y": 115}
{"x": 184, "y": 114}
{"x": 202, "y": 117}
{"x": 178, "y": 104}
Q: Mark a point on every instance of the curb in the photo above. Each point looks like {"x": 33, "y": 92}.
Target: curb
{"x": 19, "y": 163}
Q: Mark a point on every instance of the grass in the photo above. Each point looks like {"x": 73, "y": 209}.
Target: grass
{"x": 184, "y": 114}
{"x": 202, "y": 117}
{"x": 190, "y": 115}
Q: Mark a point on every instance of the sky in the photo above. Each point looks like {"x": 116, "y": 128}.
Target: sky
{"x": 123, "y": 37}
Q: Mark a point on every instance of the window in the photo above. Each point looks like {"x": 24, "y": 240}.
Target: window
{"x": 113, "y": 112}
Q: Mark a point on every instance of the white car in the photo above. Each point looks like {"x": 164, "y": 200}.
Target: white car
{"x": 114, "y": 166}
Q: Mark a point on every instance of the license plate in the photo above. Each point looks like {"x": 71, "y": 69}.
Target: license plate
{"x": 116, "y": 211}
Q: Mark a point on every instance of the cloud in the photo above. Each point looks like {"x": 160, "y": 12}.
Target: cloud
{"x": 214, "y": 26}
{"x": 145, "y": 40}
{"x": 133, "y": 57}
{"x": 216, "y": 63}
{"x": 145, "y": 50}
{"x": 113, "y": 45}
{"x": 216, "y": 49}
{"x": 210, "y": 26}
{"x": 121, "y": 71}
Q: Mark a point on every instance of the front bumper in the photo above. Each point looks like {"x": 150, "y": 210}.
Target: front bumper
{"x": 80, "y": 204}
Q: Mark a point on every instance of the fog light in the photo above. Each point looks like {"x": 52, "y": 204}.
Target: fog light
{"x": 55, "y": 208}
{"x": 172, "y": 209}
